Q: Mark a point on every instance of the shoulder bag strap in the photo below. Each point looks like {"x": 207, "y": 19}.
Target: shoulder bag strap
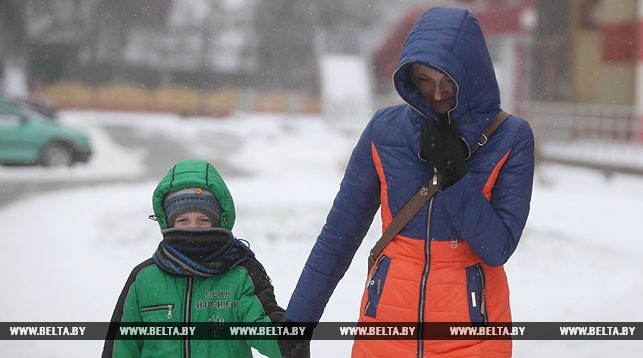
{"x": 402, "y": 218}
{"x": 495, "y": 123}
{"x": 421, "y": 197}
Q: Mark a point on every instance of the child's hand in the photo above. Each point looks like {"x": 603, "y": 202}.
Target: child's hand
{"x": 295, "y": 348}
{"x": 299, "y": 348}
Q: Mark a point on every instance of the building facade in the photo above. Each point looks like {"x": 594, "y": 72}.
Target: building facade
{"x": 574, "y": 68}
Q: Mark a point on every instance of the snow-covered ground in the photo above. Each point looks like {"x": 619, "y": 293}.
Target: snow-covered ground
{"x": 66, "y": 253}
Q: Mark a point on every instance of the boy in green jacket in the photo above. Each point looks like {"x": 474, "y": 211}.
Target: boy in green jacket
{"x": 200, "y": 273}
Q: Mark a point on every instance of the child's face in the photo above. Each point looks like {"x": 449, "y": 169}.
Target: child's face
{"x": 194, "y": 219}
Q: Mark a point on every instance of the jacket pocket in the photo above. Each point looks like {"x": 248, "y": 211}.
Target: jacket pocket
{"x": 157, "y": 312}
{"x": 375, "y": 285}
{"x": 476, "y": 294}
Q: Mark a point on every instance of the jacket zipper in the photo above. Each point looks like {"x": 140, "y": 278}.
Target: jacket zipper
{"x": 188, "y": 303}
{"x": 425, "y": 274}
{"x": 169, "y": 308}
{"x": 483, "y": 300}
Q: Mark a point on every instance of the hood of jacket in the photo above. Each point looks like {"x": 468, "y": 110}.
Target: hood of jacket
{"x": 450, "y": 40}
{"x": 194, "y": 173}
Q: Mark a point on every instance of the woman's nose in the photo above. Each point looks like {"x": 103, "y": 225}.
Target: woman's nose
{"x": 438, "y": 94}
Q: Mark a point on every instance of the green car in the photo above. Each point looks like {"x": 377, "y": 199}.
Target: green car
{"x": 27, "y": 137}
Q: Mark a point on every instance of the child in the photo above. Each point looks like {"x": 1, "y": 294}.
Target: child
{"x": 199, "y": 273}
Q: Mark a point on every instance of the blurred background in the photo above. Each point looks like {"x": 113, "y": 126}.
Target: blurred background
{"x": 104, "y": 96}
{"x": 573, "y": 68}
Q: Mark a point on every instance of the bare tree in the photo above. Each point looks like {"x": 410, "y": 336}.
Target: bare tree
{"x": 550, "y": 72}
{"x": 13, "y": 32}
{"x": 291, "y": 33}
{"x": 13, "y": 35}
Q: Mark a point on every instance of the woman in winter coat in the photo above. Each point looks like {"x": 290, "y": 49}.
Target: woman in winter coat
{"x": 446, "y": 264}
{"x": 200, "y": 273}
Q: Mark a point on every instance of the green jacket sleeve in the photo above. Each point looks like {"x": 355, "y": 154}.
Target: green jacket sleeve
{"x": 129, "y": 348}
{"x": 126, "y": 310}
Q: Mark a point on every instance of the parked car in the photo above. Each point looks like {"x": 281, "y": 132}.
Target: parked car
{"x": 27, "y": 137}
{"x": 39, "y": 104}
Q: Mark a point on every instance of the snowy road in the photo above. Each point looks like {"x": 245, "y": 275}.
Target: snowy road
{"x": 124, "y": 154}
{"x": 67, "y": 252}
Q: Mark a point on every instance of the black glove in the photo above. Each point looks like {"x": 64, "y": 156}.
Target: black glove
{"x": 295, "y": 347}
{"x": 442, "y": 147}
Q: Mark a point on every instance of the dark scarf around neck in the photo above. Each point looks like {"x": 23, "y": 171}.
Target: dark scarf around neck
{"x": 189, "y": 252}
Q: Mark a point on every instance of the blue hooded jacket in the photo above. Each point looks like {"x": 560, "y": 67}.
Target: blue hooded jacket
{"x": 385, "y": 170}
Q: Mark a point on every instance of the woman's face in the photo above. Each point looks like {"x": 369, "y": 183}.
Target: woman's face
{"x": 187, "y": 220}
{"x": 435, "y": 88}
